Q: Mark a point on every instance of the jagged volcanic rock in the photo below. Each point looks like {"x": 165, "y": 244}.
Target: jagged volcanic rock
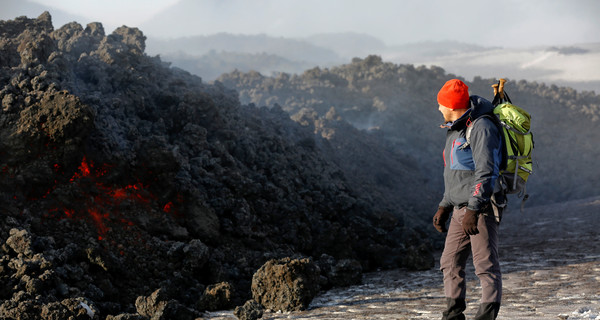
{"x": 286, "y": 284}
{"x": 216, "y": 297}
{"x": 251, "y": 310}
{"x": 128, "y": 187}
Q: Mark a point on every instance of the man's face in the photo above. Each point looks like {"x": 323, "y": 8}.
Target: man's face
{"x": 445, "y": 112}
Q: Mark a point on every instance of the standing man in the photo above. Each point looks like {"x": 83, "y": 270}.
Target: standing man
{"x": 470, "y": 173}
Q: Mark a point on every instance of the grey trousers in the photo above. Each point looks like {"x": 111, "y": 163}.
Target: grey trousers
{"x": 483, "y": 246}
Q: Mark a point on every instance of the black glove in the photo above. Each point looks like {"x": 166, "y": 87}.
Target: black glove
{"x": 469, "y": 222}
{"x": 440, "y": 218}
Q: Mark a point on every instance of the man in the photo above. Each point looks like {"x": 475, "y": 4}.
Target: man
{"x": 470, "y": 173}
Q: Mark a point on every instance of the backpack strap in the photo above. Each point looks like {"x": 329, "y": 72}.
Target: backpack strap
{"x": 467, "y": 136}
{"x": 508, "y": 127}
{"x": 525, "y": 197}
{"x": 470, "y": 128}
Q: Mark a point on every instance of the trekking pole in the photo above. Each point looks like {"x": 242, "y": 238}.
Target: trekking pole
{"x": 501, "y": 87}
{"x": 495, "y": 86}
{"x": 497, "y": 99}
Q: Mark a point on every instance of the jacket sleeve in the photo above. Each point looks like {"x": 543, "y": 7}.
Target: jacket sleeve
{"x": 486, "y": 144}
{"x": 444, "y": 203}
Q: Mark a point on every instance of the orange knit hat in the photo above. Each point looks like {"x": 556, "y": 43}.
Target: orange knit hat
{"x": 454, "y": 95}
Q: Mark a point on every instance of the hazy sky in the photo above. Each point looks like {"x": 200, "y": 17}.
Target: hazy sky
{"x": 508, "y": 23}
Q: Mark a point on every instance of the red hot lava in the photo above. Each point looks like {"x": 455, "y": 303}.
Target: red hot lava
{"x": 102, "y": 202}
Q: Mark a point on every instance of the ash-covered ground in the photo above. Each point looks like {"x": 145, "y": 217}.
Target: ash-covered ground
{"x": 551, "y": 270}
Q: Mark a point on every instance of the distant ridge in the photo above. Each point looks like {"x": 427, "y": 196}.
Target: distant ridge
{"x": 572, "y": 65}
{"x": 293, "y": 49}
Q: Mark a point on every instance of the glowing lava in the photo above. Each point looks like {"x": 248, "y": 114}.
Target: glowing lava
{"x": 101, "y": 203}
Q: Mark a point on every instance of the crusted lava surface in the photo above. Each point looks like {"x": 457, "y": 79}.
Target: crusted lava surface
{"x": 123, "y": 179}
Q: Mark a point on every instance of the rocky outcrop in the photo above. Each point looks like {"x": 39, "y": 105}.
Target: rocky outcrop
{"x": 134, "y": 186}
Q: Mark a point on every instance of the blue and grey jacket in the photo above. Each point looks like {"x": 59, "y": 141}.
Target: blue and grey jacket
{"x": 470, "y": 173}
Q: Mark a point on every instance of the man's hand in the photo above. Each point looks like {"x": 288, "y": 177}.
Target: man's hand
{"x": 469, "y": 222}
{"x": 440, "y": 218}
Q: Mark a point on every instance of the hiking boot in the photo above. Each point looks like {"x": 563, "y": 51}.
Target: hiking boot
{"x": 454, "y": 309}
{"x": 488, "y": 311}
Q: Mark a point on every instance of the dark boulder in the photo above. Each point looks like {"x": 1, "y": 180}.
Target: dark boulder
{"x": 20, "y": 242}
{"x": 251, "y": 310}
{"x": 286, "y": 284}
{"x": 342, "y": 273}
{"x": 417, "y": 259}
{"x": 216, "y": 297}
{"x": 159, "y": 307}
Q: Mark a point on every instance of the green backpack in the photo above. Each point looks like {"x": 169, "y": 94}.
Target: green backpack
{"x": 518, "y": 143}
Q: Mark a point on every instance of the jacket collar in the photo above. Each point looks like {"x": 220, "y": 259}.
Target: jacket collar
{"x": 479, "y": 107}
{"x": 461, "y": 122}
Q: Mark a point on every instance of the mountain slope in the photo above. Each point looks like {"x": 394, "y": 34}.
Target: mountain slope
{"x": 400, "y": 101}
